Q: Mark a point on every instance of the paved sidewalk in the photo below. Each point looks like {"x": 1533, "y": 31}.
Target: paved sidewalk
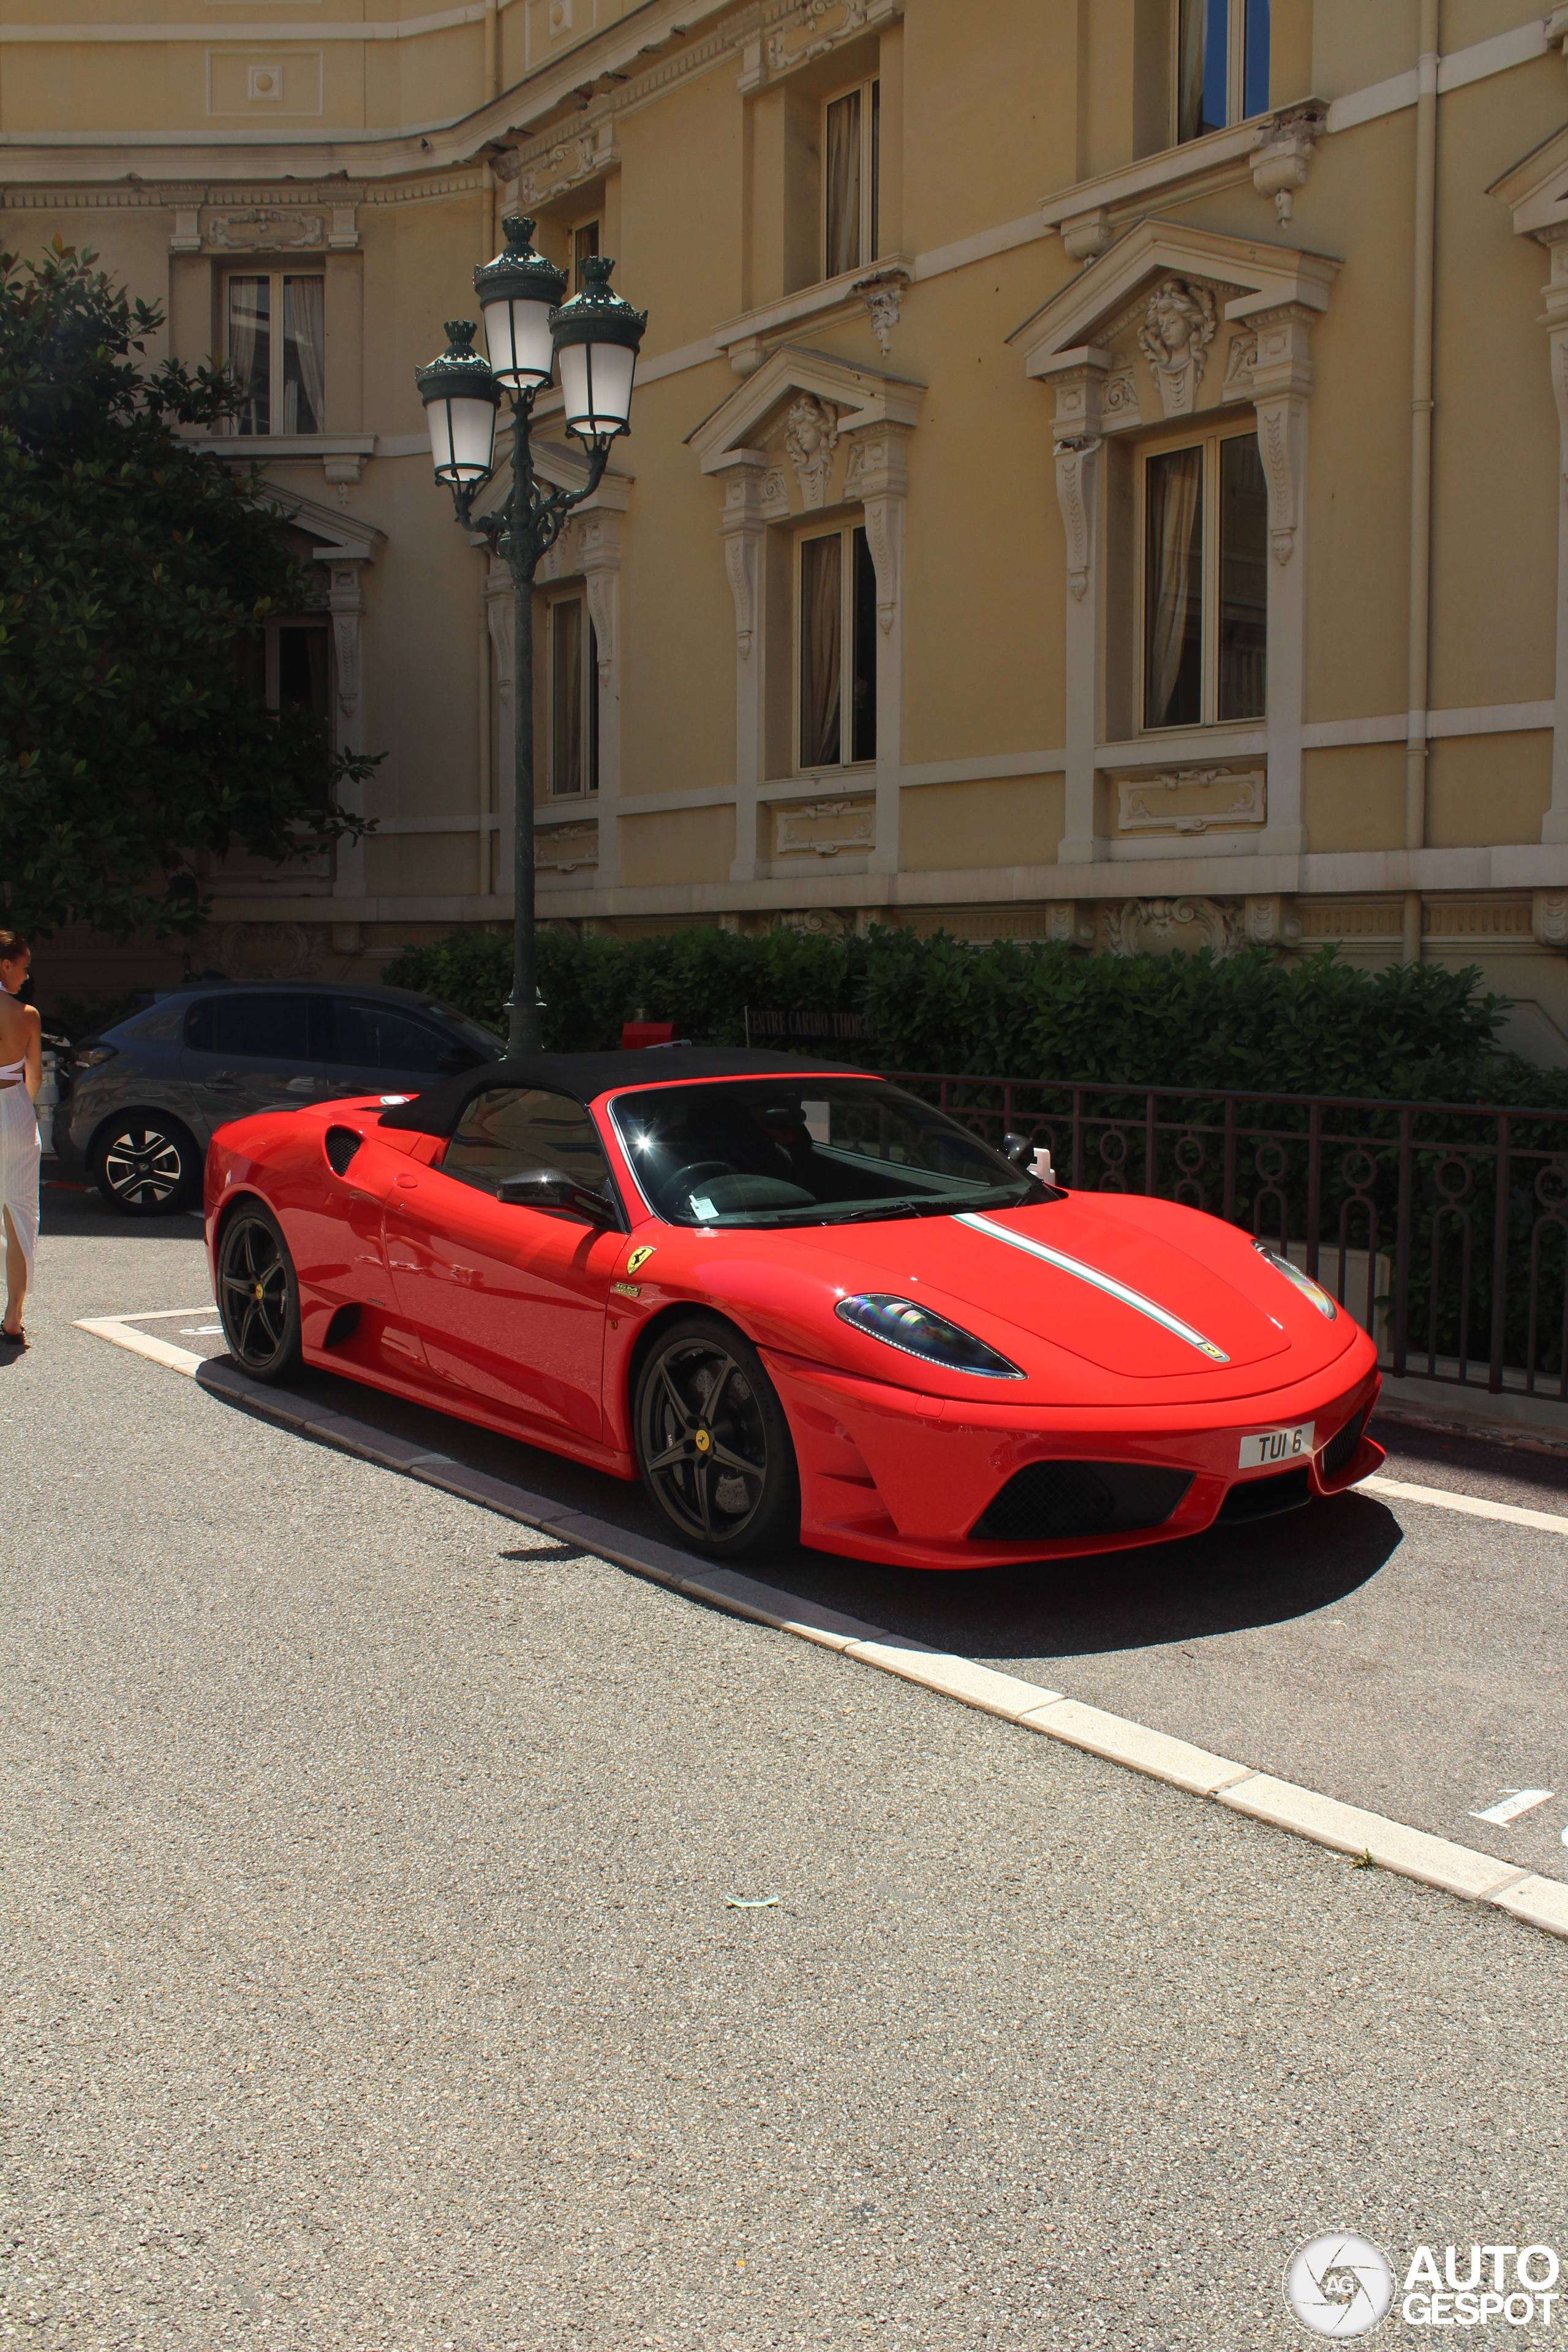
{"x": 373, "y": 1982}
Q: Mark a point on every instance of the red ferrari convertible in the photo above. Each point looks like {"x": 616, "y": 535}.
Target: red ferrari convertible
{"x": 797, "y": 1301}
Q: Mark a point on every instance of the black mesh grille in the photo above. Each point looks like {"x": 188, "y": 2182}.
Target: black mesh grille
{"x": 341, "y": 1146}
{"x": 1049, "y": 1502}
{"x": 1340, "y": 1451}
{"x": 1261, "y": 1498}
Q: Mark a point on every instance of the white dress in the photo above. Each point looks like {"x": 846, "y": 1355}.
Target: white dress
{"x": 21, "y": 1156}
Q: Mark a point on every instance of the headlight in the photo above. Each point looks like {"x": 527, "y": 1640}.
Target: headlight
{"x": 91, "y": 1056}
{"x": 1304, "y": 1282}
{"x": 916, "y": 1331}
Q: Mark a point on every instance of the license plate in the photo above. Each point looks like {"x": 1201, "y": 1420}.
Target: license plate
{"x": 1271, "y": 1445}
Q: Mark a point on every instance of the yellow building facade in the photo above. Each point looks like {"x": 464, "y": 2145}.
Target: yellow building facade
{"x": 1097, "y": 469}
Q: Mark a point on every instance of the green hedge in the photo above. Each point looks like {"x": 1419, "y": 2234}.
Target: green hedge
{"x": 1317, "y": 1026}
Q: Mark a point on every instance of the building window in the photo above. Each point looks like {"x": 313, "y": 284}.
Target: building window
{"x": 852, "y": 141}
{"x": 1223, "y": 52}
{"x": 278, "y": 351}
{"x": 1206, "y": 583}
{"x": 584, "y": 245}
{"x": 837, "y": 635}
{"x": 573, "y": 697}
{"x": 289, "y": 665}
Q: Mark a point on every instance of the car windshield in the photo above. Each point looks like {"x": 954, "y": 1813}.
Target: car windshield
{"x": 772, "y": 1151}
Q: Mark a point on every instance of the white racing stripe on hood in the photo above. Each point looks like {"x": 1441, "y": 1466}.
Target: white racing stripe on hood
{"x": 1092, "y": 1275}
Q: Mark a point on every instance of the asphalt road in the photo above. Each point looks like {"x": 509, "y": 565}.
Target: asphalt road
{"x": 372, "y": 1979}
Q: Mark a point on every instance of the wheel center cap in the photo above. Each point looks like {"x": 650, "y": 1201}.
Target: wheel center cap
{"x": 260, "y": 1290}
{"x": 704, "y": 1441}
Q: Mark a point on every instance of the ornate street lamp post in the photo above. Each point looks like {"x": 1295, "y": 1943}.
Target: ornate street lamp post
{"x": 527, "y": 326}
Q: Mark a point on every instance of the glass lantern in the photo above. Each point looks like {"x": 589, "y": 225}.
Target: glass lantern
{"x": 461, "y": 397}
{"x": 518, "y": 293}
{"x": 596, "y": 339}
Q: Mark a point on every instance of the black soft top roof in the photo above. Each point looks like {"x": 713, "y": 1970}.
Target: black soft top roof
{"x": 585, "y": 1075}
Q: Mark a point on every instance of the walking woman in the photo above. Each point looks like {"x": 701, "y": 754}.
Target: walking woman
{"x": 21, "y": 1075}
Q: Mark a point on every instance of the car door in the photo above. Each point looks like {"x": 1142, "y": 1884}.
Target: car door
{"x": 510, "y": 1302}
{"x": 383, "y": 1049}
{"x": 253, "y": 1049}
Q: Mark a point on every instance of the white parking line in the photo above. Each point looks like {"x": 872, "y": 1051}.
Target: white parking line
{"x": 1325, "y": 1820}
{"x": 1475, "y": 1506}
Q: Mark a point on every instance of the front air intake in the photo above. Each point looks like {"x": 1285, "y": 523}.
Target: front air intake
{"x": 1053, "y": 1502}
{"x": 340, "y": 1145}
{"x": 1340, "y": 1451}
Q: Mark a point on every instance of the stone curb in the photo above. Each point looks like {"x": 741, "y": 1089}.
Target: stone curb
{"x": 1409, "y": 1852}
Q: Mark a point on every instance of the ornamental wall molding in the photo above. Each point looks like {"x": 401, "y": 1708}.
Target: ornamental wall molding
{"x": 1549, "y": 919}
{"x": 859, "y": 395}
{"x": 805, "y": 31}
{"x": 1129, "y": 924}
{"x": 825, "y": 828}
{"x": 546, "y": 170}
{"x": 565, "y": 848}
{"x": 1193, "y": 800}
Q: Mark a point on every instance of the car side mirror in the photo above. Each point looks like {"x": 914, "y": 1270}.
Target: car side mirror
{"x": 453, "y": 1059}
{"x": 552, "y": 1187}
{"x": 1018, "y": 1149}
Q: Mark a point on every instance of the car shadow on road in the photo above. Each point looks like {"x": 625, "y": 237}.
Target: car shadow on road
{"x": 1221, "y": 1582}
{"x": 81, "y": 1213}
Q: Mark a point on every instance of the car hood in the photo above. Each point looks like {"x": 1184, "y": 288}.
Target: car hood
{"x": 1143, "y": 1290}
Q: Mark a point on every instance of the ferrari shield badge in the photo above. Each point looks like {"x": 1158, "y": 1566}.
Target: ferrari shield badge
{"x": 640, "y": 1257}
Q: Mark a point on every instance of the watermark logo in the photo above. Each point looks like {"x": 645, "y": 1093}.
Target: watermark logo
{"x": 1338, "y": 2284}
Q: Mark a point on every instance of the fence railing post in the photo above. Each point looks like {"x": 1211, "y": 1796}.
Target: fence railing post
{"x": 1150, "y": 1144}
{"x": 1229, "y": 1209}
{"x": 1500, "y": 1255}
{"x": 1314, "y": 1185}
{"x": 1077, "y": 1137}
{"x": 1401, "y": 1250}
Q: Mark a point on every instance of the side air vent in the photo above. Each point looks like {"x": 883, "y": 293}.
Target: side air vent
{"x": 341, "y": 1146}
{"x": 1264, "y": 1498}
{"x": 1051, "y": 1502}
{"x": 1340, "y": 1451}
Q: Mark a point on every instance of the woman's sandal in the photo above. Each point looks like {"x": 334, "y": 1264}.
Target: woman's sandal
{"x": 14, "y": 1339}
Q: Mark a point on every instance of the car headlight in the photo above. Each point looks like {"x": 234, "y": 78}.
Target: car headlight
{"x": 1304, "y": 1282}
{"x": 90, "y": 1057}
{"x": 916, "y": 1331}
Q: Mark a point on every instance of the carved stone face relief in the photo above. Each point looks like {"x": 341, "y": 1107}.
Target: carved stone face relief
{"x": 1178, "y": 327}
{"x": 811, "y": 436}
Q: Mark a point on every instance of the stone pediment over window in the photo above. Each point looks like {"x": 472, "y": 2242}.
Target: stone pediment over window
{"x": 1167, "y": 319}
{"x": 800, "y": 417}
{"x": 1536, "y": 189}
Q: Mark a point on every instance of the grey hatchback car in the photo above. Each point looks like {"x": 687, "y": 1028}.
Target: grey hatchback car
{"x": 140, "y": 1101}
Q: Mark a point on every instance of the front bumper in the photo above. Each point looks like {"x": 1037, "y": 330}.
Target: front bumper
{"x": 887, "y": 1473}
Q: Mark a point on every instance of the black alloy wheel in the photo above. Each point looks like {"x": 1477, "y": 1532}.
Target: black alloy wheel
{"x": 258, "y": 1296}
{"x": 712, "y": 1442}
{"x": 147, "y": 1166}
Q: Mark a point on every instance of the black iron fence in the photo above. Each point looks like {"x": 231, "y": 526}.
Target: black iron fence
{"x": 1443, "y": 1227}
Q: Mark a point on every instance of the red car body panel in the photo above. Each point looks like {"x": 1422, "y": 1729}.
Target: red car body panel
{"x": 528, "y": 1322}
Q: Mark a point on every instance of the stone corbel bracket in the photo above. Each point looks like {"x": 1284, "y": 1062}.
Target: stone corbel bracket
{"x": 1284, "y": 148}
{"x": 1271, "y": 922}
{"x": 882, "y": 293}
{"x": 1549, "y": 908}
{"x": 877, "y": 467}
{"x": 740, "y": 526}
{"x": 1069, "y": 922}
{"x": 1281, "y": 380}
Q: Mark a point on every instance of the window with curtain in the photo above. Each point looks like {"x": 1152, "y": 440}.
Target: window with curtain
{"x": 1222, "y": 64}
{"x": 837, "y": 648}
{"x": 851, "y": 163}
{"x": 1206, "y": 583}
{"x": 276, "y": 336}
{"x": 573, "y": 697}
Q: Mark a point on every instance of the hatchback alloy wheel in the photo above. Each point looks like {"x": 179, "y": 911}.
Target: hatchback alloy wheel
{"x": 146, "y": 1170}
